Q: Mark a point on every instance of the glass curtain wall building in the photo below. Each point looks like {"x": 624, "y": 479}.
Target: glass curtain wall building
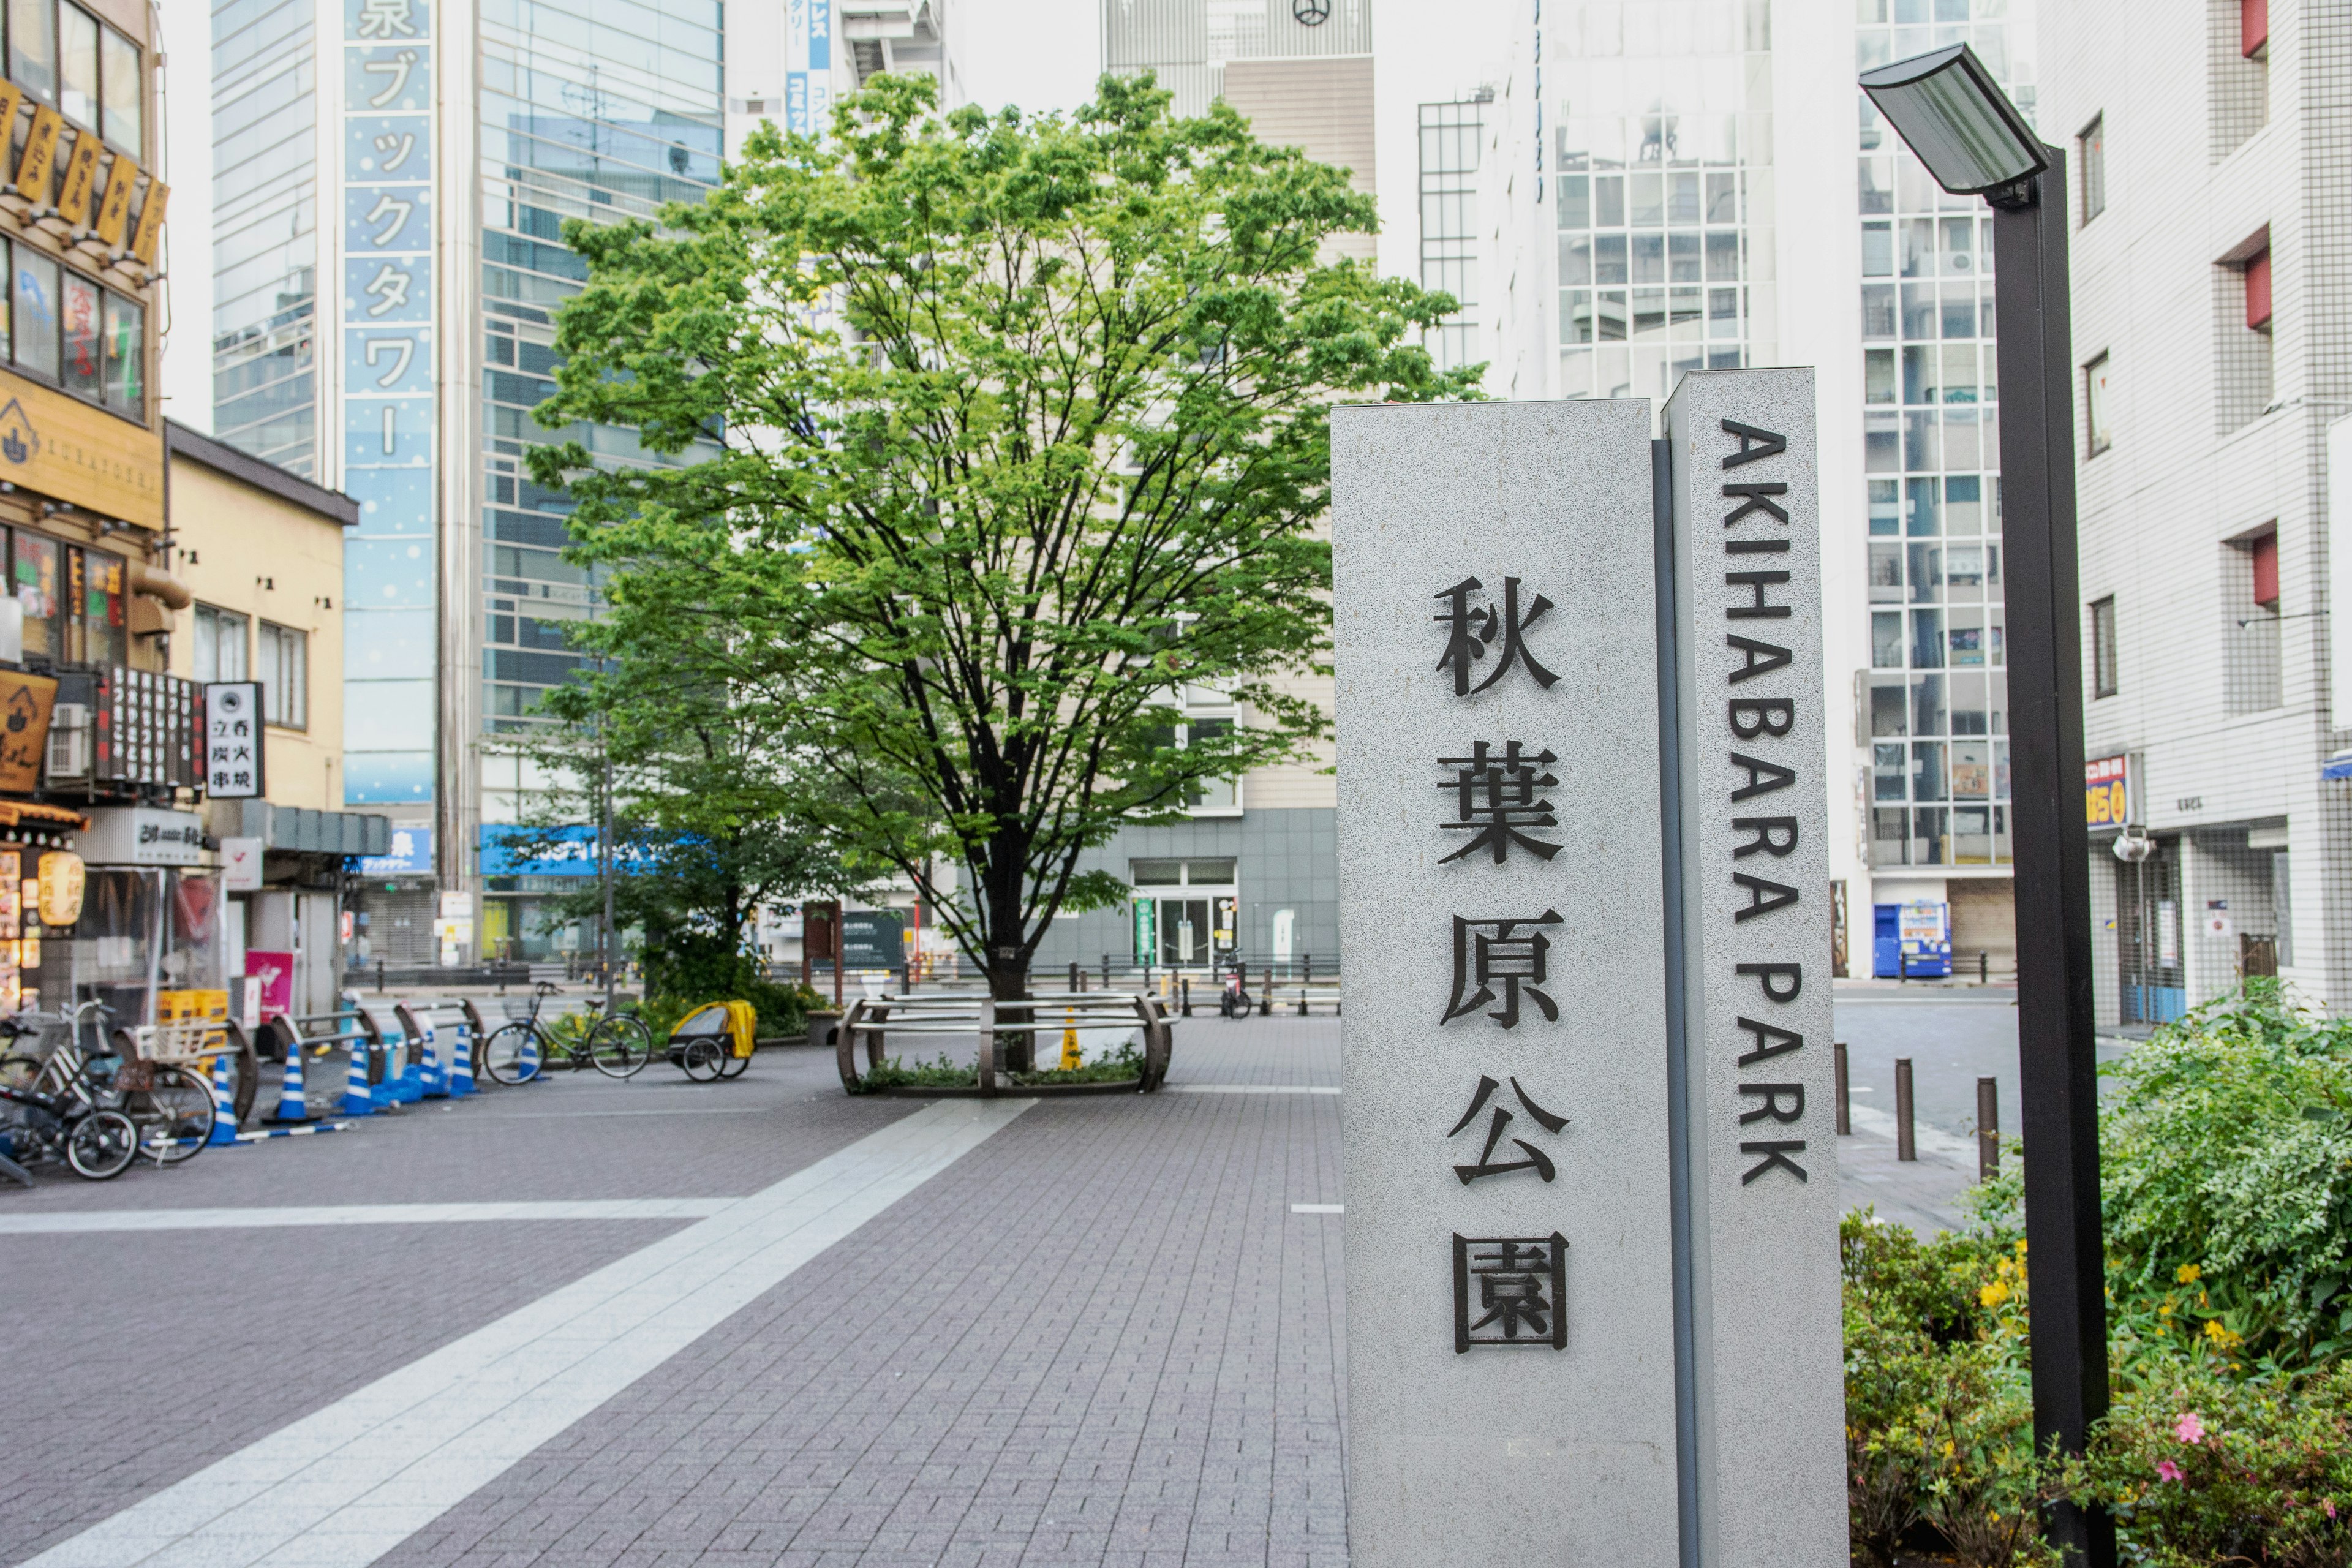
{"x": 1660, "y": 115}
{"x": 265, "y": 230}
{"x": 450, "y": 139}
{"x": 1936, "y": 703}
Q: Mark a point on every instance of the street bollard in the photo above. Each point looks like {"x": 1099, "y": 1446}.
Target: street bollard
{"x": 1265, "y": 994}
{"x": 1844, "y": 1095}
{"x": 1905, "y": 1149}
{"x": 1074, "y": 975}
{"x": 1988, "y": 1129}
{"x": 1902, "y": 966}
{"x": 1106, "y": 972}
{"x": 1186, "y": 985}
{"x": 1984, "y": 968}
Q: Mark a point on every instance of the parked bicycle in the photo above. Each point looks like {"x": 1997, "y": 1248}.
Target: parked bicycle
{"x": 171, "y": 1107}
{"x": 522, "y": 1048}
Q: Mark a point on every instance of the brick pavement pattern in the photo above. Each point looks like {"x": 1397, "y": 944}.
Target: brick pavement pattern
{"x": 1100, "y": 1339}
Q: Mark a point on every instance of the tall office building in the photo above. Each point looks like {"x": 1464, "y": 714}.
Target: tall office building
{"x": 1670, "y": 185}
{"x": 1933, "y": 710}
{"x": 2209, "y": 146}
{"x": 391, "y": 179}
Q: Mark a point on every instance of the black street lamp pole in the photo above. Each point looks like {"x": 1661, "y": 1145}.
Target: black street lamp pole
{"x": 2056, "y": 1029}
{"x": 1950, "y": 111}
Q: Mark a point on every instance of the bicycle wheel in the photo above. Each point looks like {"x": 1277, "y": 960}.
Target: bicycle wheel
{"x": 101, "y": 1145}
{"x": 620, "y": 1047}
{"x": 512, "y": 1054}
{"x": 701, "y": 1060}
{"x": 732, "y": 1066}
{"x": 175, "y": 1113}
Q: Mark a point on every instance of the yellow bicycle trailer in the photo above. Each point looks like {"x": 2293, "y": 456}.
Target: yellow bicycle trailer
{"x": 714, "y": 1041}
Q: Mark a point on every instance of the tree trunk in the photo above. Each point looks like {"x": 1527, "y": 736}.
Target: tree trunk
{"x": 1008, "y": 963}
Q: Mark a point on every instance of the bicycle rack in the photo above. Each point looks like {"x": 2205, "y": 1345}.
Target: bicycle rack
{"x": 451, "y": 1074}
{"x": 366, "y": 1092}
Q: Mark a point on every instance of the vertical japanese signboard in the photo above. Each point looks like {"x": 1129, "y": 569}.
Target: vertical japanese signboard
{"x": 1510, "y": 1331}
{"x": 1766, "y": 1361}
{"x": 1590, "y": 1189}
{"x": 808, "y": 66}
{"x": 386, "y": 422}
{"x": 233, "y": 742}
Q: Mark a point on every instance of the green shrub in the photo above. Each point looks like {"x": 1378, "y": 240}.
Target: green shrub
{"x": 2199, "y": 1467}
{"x": 1940, "y": 1411}
{"x": 2226, "y": 1152}
{"x": 1120, "y": 1067}
{"x": 2227, "y": 1159}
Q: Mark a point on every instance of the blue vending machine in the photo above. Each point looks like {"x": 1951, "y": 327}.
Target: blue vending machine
{"x": 1913, "y": 938}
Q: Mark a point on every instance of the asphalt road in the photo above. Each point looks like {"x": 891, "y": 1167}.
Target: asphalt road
{"x": 1952, "y": 1036}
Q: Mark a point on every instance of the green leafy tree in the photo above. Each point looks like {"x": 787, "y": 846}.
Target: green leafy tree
{"x": 1021, "y": 425}
{"x": 710, "y": 823}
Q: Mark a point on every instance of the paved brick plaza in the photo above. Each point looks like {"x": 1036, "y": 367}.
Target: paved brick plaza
{"x": 1101, "y": 1336}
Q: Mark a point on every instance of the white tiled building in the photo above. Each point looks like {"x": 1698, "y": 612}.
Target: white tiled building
{"x": 2211, "y": 148}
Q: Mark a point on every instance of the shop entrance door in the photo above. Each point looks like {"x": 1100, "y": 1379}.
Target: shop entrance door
{"x": 2148, "y": 937}
{"x": 1196, "y": 933}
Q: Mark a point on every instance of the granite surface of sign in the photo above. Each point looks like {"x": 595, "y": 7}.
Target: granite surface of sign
{"x": 1766, "y": 1362}
{"x": 1510, "y": 1323}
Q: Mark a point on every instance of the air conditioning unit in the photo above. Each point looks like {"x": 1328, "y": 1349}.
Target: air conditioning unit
{"x": 69, "y": 758}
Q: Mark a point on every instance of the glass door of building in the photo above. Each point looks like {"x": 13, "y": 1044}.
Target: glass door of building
{"x": 2148, "y": 937}
{"x": 1197, "y": 932}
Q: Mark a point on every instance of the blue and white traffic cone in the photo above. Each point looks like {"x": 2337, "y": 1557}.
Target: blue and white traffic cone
{"x": 224, "y": 1104}
{"x": 293, "y": 1105}
{"x": 359, "y": 1100}
{"x": 461, "y": 1062}
{"x": 529, "y": 1073}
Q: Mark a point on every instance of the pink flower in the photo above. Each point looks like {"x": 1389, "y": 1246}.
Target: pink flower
{"x": 2165, "y": 1471}
{"x": 2329, "y": 1504}
{"x": 2189, "y": 1428}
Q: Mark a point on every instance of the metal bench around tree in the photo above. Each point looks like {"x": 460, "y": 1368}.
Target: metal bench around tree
{"x": 1008, "y": 1034}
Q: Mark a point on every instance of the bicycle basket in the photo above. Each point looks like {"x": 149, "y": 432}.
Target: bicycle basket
{"x": 515, "y": 1011}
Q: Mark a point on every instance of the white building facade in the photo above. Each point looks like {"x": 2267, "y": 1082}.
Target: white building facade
{"x": 2211, "y": 148}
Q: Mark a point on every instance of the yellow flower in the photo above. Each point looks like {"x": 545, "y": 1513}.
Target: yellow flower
{"x": 2222, "y": 1336}
{"x": 2189, "y": 1274}
{"x": 1948, "y": 1447}
{"x": 2021, "y": 1248}
{"x": 1994, "y": 1294}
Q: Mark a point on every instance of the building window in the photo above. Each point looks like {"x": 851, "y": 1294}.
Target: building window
{"x": 285, "y": 675}
{"x": 64, "y": 328}
{"x": 2098, "y": 407}
{"x": 1450, "y": 134}
{"x": 219, "y": 653}
{"x": 2249, "y": 628}
{"x": 2102, "y": 647}
{"x": 2238, "y": 37}
{"x": 2244, "y": 370}
{"x": 102, "y": 606}
{"x": 2090, "y": 152}
{"x": 64, "y": 57}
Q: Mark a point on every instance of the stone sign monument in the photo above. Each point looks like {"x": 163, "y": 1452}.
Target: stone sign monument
{"x": 1591, "y": 1182}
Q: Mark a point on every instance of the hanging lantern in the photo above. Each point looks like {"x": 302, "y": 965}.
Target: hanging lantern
{"x": 61, "y": 884}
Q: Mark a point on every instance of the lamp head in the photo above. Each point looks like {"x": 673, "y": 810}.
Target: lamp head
{"x": 1948, "y": 109}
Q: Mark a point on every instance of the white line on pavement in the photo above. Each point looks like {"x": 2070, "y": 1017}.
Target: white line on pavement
{"x": 1319, "y": 1208}
{"x": 355, "y": 1213}
{"x": 1252, "y": 1088}
{"x": 340, "y": 1487}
